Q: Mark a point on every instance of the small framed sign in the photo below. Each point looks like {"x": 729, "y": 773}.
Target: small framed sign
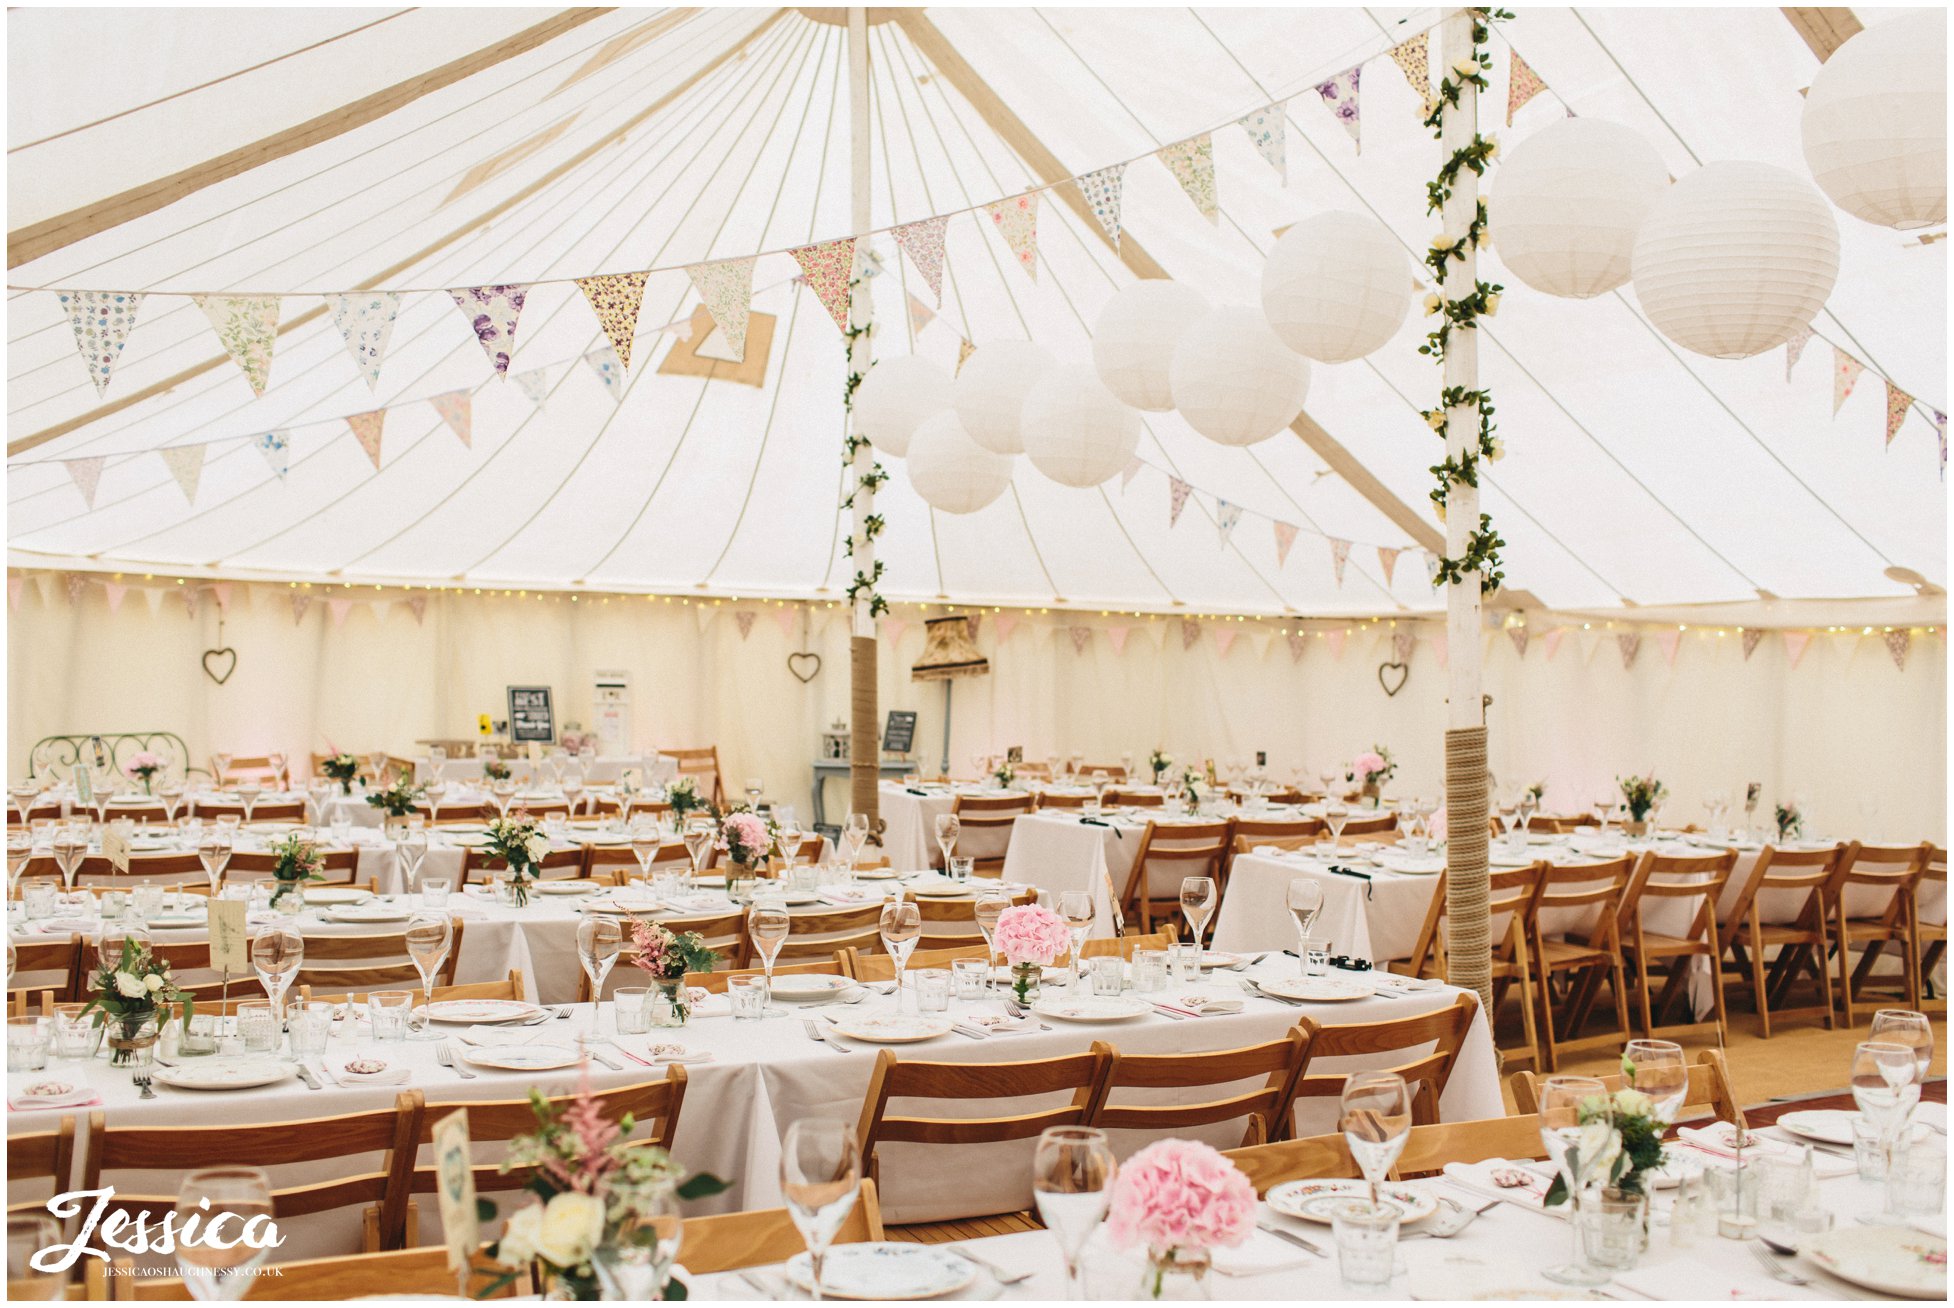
{"x": 899, "y": 735}
{"x": 531, "y": 715}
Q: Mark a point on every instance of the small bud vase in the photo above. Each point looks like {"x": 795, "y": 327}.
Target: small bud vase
{"x": 1176, "y": 1275}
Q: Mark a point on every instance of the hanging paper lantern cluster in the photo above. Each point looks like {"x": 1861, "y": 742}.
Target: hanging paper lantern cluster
{"x": 896, "y": 398}
{"x": 1234, "y": 380}
{"x": 1075, "y": 430}
{"x": 990, "y": 392}
{"x": 1133, "y": 341}
{"x": 951, "y": 471}
{"x": 1736, "y": 258}
{"x": 1566, "y": 205}
{"x": 1875, "y": 123}
{"x": 1336, "y": 287}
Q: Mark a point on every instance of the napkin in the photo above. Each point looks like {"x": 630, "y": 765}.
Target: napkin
{"x": 985, "y": 1025}
{"x": 75, "y": 1097}
{"x": 496, "y": 1037}
{"x": 1202, "y": 1005}
{"x": 1717, "y": 1142}
{"x": 850, "y": 895}
{"x": 670, "y": 1051}
{"x": 1479, "y": 1178}
{"x": 1699, "y": 1279}
{"x": 387, "y": 1072}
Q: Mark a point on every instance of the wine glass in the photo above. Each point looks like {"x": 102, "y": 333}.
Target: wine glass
{"x": 275, "y": 957}
{"x": 28, "y": 1236}
{"x": 378, "y": 760}
{"x": 221, "y": 1270}
{"x": 437, "y": 761}
{"x": 412, "y": 851}
{"x": 1657, "y": 1069}
{"x": 1305, "y": 899}
{"x": 214, "y": 852}
{"x": 171, "y": 793}
{"x": 116, "y": 941}
{"x": 855, "y": 837}
{"x": 820, "y": 1177}
{"x": 598, "y": 940}
{"x": 1603, "y": 807}
{"x": 791, "y": 835}
{"x": 989, "y": 908}
{"x": 24, "y": 794}
{"x": 1376, "y": 1121}
{"x": 948, "y": 828}
{"x": 1885, "y": 1086}
{"x": 1900, "y": 1026}
{"x": 1197, "y": 904}
{"x": 1577, "y": 1128}
{"x": 1335, "y": 816}
{"x": 767, "y": 926}
{"x": 698, "y": 843}
{"x": 901, "y": 923}
{"x": 635, "y": 1266}
{"x": 645, "y": 844}
{"x": 70, "y": 847}
{"x": 573, "y": 787}
{"x": 1075, "y": 906}
{"x": 1528, "y": 805}
{"x": 1072, "y": 1184}
{"x": 503, "y": 792}
{"x": 430, "y": 935}
{"x": 247, "y": 796}
{"x": 222, "y": 762}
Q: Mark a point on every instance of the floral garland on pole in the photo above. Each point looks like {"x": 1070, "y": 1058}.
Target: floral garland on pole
{"x": 870, "y": 479}
{"x": 1483, "y": 543}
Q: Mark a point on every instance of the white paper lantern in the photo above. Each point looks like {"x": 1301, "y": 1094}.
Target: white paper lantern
{"x": 1075, "y": 430}
{"x": 1234, "y": 380}
{"x": 989, "y": 392}
{"x": 1735, "y": 258}
{"x": 1336, "y": 286}
{"x": 951, "y": 471}
{"x": 1567, "y": 203}
{"x": 896, "y": 398}
{"x": 1875, "y": 123}
{"x": 1133, "y": 341}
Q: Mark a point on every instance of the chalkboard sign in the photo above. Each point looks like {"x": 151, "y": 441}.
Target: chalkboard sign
{"x": 899, "y": 736}
{"x": 531, "y": 716}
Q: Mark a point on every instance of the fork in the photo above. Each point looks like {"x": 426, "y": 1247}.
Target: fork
{"x": 814, "y": 1033}
{"x": 998, "y": 1274}
{"x": 446, "y": 1057}
{"x": 142, "y": 1083}
{"x": 1777, "y": 1268}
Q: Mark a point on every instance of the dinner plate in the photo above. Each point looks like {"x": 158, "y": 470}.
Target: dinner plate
{"x": 1830, "y": 1125}
{"x": 620, "y": 907}
{"x": 1891, "y": 1259}
{"x": 791, "y": 898}
{"x": 1316, "y": 1201}
{"x": 522, "y": 1058}
{"x": 1092, "y": 1008}
{"x": 375, "y": 912}
{"x": 891, "y": 1028}
{"x": 939, "y": 888}
{"x": 468, "y": 839}
{"x": 1317, "y": 989}
{"x": 885, "y": 1271}
{"x": 1212, "y": 958}
{"x": 337, "y": 895}
{"x": 567, "y": 887}
{"x": 480, "y": 1012}
{"x": 224, "y": 1073}
{"x": 876, "y": 874}
{"x": 800, "y": 987}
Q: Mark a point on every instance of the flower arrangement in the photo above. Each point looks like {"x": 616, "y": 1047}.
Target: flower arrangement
{"x": 296, "y": 862}
{"x": 341, "y": 768}
{"x": 747, "y": 838}
{"x": 1180, "y": 1199}
{"x": 137, "y": 989}
{"x": 1373, "y": 768}
{"x": 1641, "y": 794}
{"x": 1160, "y": 760}
{"x": 398, "y": 799}
{"x": 521, "y": 844}
{"x": 1030, "y": 936}
{"x": 683, "y": 796}
{"x": 1005, "y": 774}
{"x": 1192, "y": 782}
{"x": 667, "y": 955}
{"x": 1631, "y": 1147}
{"x": 1791, "y": 820}
{"x": 143, "y": 768}
{"x": 495, "y": 769}
{"x": 1537, "y": 792}
{"x": 594, "y": 1188}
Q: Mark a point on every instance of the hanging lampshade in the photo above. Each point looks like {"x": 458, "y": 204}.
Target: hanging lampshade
{"x": 1336, "y": 286}
{"x": 1234, "y": 380}
{"x": 1075, "y": 431}
{"x": 989, "y": 392}
{"x": 1133, "y": 341}
{"x": 896, "y": 397}
{"x": 1875, "y": 123}
{"x": 952, "y": 472}
{"x": 1735, "y": 258}
{"x": 1567, "y": 203}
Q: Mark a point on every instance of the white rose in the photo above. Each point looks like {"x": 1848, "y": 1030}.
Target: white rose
{"x": 519, "y": 1235}
{"x": 1435, "y": 419}
{"x": 1492, "y": 306}
{"x": 537, "y": 846}
{"x": 1484, "y": 238}
{"x": 1466, "y": 67}
{"x": 1433, "y": 303}
{"x": 154, "y": 982}
{"x": 572, "y": 1226}
{"x": 131, "y": 986}
{"x": 1444, "y": 241}
{"x": 1499, "y": 450}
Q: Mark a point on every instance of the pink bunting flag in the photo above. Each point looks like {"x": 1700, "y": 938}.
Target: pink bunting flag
{"x": 1017, "y": 221}
{"x": 1334, "y": 638}
{"x": 248, "y": 327}
{"x": 190, "y": 600}
{"x": 366, "y": 430}
{"x": 1519, "y": 636}
{"x": 1551, "y": 642}
{"x": 1752, "y": 635}
{"x": 457, "y": 410}
{"x": 1104, "y": 191}
{"x": 1668, "y": 642}
{"x": 16, "y": 587}
{"x": 1340, "y": 97}
{"x": 616, "y": 299}
{"x": 1006, "y": 624}
{"x": 1630, "y": 644}
{"x": 923, "y": 243}
{"x": 976, "y": 622}
{"x": 893, "y": 628}
{"x": 186, "y": 464}
{"x": 1192, "y": 164}
{"x": 828, "y": 268}
{"x": 1414, "y": 60}
{"x": 339, "y": 608}
{"x": 1845, "y": 375}
{"x": 1298, "y": 642}
{"x": 1387, "y": 559}
{"x": 920, "y": 315}
{"x": 786, "y": 616}
{"x": 1794, "y": 349}
{"x": 726, "y": 289}
{"x": 743, "y": 619}
{"x": 1402, "y": 643}
{"x": 1266, "y": 132}
{"x": 1190, "y": 633}
{"x": 1898, "y": 403}
{"x": 1224, "y": 640}
{"x": 1795, "y": 643}
{"x": 87, "y": 475}
{"x": 417, "y": 605}
{"x": 1285, "y": 537}
{"x": 1898, "y": 641}
{"x": 492, "y": 312}
{"x": 1339, "y": 557}
{"x": 1522, "y": 84}
{"x": 1442, "y": 649}
{"x": 1081, "y": 637}
{"x": 1177, "y": 492}
{"x": 1116, "y": 637}
{"x": 102, "y": 321}
{"x": 221, "y": 592}
{"x": 77, "y": 585}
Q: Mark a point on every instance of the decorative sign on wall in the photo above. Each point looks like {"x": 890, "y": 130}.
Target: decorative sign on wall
{"x": 899, "y": 735}
{"x": 531, "y": 715}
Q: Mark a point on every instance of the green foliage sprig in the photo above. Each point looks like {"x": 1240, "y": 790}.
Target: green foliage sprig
{"x": 870, "y": 479}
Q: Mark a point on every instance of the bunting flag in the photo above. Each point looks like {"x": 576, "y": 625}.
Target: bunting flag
{"x": 743, "y": 619}
{"x": 221, "y": 592}
{"x": 1339, "y": 556}
{"x": 1226, "y": 515}
{"x": 1266, "y": 133}
{"x": 1414, "y": 60}
{"x": 492, "y": 312}
{"x": 1285, "y": 537}
{"x": 1116, "y": 637}
{"x": 87, "y": 475}
{"x": 1752, "y": 635}
{"x": 1192, "y": 164}
{"x": 616, "y": 299}
{"x": 1177, "y": 492}
{"x": 1297, "y": 644}
{"x": 190, "y": 600}
{"x": 1794, "y": 646}
{"x": 16, "y": 587}
{"x": 786, "y": 617}
{"x": 726, "y": 289}
{"x": 456, "y": 409}
{"x": 893, "y": 628}
{"x": 1898, "y": 402}
{"x": 1402, "y": 643}
{"x": 114, "y": 592}
{"x": 248, "y": 326}
{"x": 1224, "y": 640}
{"x": 1339, "y": 96}
{"x": 964, "y": 350}
{"x": 1190, "y": 633}
{"x": 339, "y": 608}
{"x": 1081, "y": 637}
{"x": 1940, "y": 426}
{"x": 1017, "y": 220}
{"x": 276, "y": 446}
{"x": 1387, "y": 559}
{"x": 417, "y": 605}
{"x": 186, "y": 464}
{"x": 366, "y": 430}
{"x": 920, "y": 316}
{"x": 1794, "y": 349}
{"x": 828, "y": 268}
{"x": 1630, "y": 644}
{"x": 381, "y": 608}
{"x": 1431, "y": 569}
{"x": 1334, "y": 639}
{"x": 1519, "y": 636}
{"x": 102, "y": 321}
{"x": 1442, "y": 650}
{"x": 1104, "y": 191}
{"x": 76, "y": 583}
{"x": 1522, "y": 84}
{"x": 1551, "y": 642}
{"x": 153, "y": 598}
{"x": 366, "y": 320}
{"x": 1128, "y": 473}
{"x": 976, "y": 622}
{"x": 1668, "y": 642}
{"x": 534, "y": 384}
{"x": 1006, "y": 624}
{"x": 610, "y": 370}
{"x": 923, "y": 243}
{"x": 1845, "y": 373}
{"x": 1898, "y": 641}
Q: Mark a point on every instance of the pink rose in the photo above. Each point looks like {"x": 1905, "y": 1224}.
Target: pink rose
{"x": 1179, "y": 1194}
{"x": 1437, "y": 825}
{"x": 1029, "y": 933}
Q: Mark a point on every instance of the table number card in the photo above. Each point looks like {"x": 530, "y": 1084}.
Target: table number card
{"x": 454, "y": 1171}
{"x": 115, "y": 848}
{"x": 230, "y": 950}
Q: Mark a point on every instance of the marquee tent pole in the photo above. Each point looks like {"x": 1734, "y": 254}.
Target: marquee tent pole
{"x": 864, "y": 744}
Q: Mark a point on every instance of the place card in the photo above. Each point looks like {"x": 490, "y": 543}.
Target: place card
{"x": 115, "y": 848}
{"x": 454, "y": 1170}
{"x": 230, "y": 949}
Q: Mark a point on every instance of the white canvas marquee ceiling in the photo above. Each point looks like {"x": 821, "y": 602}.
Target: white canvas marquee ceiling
{"x": 536, "y": 145}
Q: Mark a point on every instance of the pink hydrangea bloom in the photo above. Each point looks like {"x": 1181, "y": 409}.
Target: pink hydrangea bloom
{"x": 1029, "y": 933}
{"x": 1437, "y": 825}
{"x": 1180, "y": 1194}
{"x": 1367, "y": 764}
{"x": 745, "y": 828}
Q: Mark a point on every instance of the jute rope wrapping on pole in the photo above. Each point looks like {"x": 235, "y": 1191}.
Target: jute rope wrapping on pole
{"x": 1468, "y": 924}
{"x": 864, "y": 744}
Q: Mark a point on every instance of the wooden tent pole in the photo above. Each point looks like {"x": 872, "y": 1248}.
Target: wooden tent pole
{"x": 864, "y": 753}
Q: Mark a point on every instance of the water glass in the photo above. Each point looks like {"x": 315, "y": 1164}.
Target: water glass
{"x": 1316, "y": 959}
{"x": 748, "y": 995}
{"x": 38, "y": 899}
{"x": 932, "y": 990}
{"x": 1733, "y": 1191}
{"x": 1184, "y": 961}
{"x": 1868, "y": 1150}
{"x": 27, "y": 1044}
{"x": 257, "y": 1027}
{"x": 961, "y": 867}
{"x": 1784, "y": 1189}
{"x": 311, "y": 1026}
{"x": 434, "y": 892}
{"x": 1916, "y": 1183}
{"x": 387, "y": 1010}
{"x": 76, "y": 1035}
{"x": 1611, "y": 1227}
{"x": 1108, "y": 975}
{"x": 148, "y": 901}
{"x": 1367, "y": 1242}
{"x": 803, "y": 876}
{"x": 631, "y": 1008}
{"x": 1149, "y": 971}
{"x": 970, "y": 977}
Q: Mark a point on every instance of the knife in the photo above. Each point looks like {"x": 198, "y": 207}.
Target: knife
{"x": 311, "y": 1081}
{"x": 1290, "y": 1236}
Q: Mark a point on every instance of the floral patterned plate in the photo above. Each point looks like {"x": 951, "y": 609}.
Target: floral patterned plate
{"x": 1091, "y": 1008}
{"x": 225, "y": 1074}
{"x": 1891, "y": 1259}
{"x": 1315, "y": 1201}
{"x": 375, "y": 912}
{"x": 472, "y": 1012}
{"x": 1318, "y": 989}
{"x": 523, "y": 1058}
{"x": 337, "y": 895}
{"x": 885, "y": 1271}
{"x": 891, "y": 1029}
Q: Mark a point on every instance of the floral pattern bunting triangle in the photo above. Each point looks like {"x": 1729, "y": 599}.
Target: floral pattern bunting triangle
{"x": 534, "y": 384}
{"x": 1104, "y": 191}
{"x": 1266, "y": 133}
{"x": 610, "y": 370}
{"x": 366, "y": 320}
{"x": 457, "y": 410}
{"x": 1520, "y": 637}
{"x": 1387, "y": 559}
{"x": 1177, "y": 492}
{"x": 1226, "y": 515}
{"x": 1192, "y": 164}
{"x": 1898, "y": 403}
{"x": 616, "y": 299}
{"x": 1339, "y": 557}
{"x": 186, "y": 464}
{"x": 1794, "y": 349}
{"x": 1940, "y": 427}
{"x": 1752, "y": 635}
{"x": 300, "y": 603}
{"x": 1414, "y": 59}
{"x": 1081, "y": 637}
{"x": 1285, "y": 537}
{"x": 1630, "y": 644}
{"x": 1898, "y": 642}
{"x": 87, "y": 475}
{"x": 1190, "y": 633}
{"x": 923, "y": 243}
{"x": 366, "y": 429}
{"x": 726, "y": 288}
{"x": 276, "y": 446}
{"x": 1845, "y": 375}
{"x": 492, "y": 312}
{"x": 102, "y": 321}
{"x": 1552, "y": 641}
{"x": 248, "y": 326}
{"x": 1340, "y": 97}
{"x": 1017, "y": 221}
{"x": 743, "y": 619}
{"x": 828, "y": 269}
{"x": 1522, "y": 84}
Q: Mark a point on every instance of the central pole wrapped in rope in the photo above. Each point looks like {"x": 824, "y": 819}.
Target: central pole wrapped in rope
{"x": 864, "y": 742}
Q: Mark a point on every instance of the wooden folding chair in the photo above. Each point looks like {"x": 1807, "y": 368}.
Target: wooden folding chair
{"x": 369, "y": 962}
{"x": 952, "y": 923}
{"x": 1891, "y": 873}
{"x": 1283, "y": 833}
{"x": 991, "y": 816}
{"x": 702, "y": 765}
{"x": 190, "y": 969}
{"x": 479, "y": 867}
{"x": 1803, "y": 944}
{"x": 1581, "y": 903}
{"x": 824, "y": 934}
{"x": 1284, "y": 844}
{"x": 724, "y": 932}
{"x": 338, "y": 867}
{"x": 1444, "y": 1029}
{"x": 510, "y": 987}
{"x": 882, "y": 967}
{"x": 144, "y": 870}
{"x": 1512, "y": 896}
{"x": 391, "y": 1274}
{"x": 63, "y": 963}
{"x": 1123, "y": 946}
{"x": 729, "y": 1241}
{"x": 1710, "y": 1092}
{"x": 716, "y": 982}
{"x": 1666, "y": 877}
{"x": 616, "y": 865}
{"x": 1264, "y": 1108}
{"x": 1121, "y": 798}
{"x": 1932, "y": 935}
{"x": 1314, "y": 1157}
{"x": 40, "y": 1156}
{"x": 262, "y": 810}
{"x": 1427, "y": 1149}
{"x": 1168, "y": 855}
{"x": 1380, "y": 829}
{"x": 267, "y": 768}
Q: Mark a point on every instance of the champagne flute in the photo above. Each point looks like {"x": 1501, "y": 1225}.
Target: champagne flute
{"x": 1376, "y": 1121}
{"x": 599, "y": 938}
{"x": 28, "y": 1236}
{"x": 856, "y": 837}
{"x": 20, "y": 848}
{"x": 1657, "y": 1069}
{"x": 434, "y": 791}
{"x": 1197, "y": 904}
{"x": 791, "y": 835}
{"x": 223, "y": 763}
{"x": 573, "y": 786}
{"x": 901, "y": 923}
{"x": 437, "y": 761}
{"x": 24, "y": 794}
{"x": 820, "y": 1177}
{"x": 214, "y": 1271}
{"x": 430, "y": 935}
{"x": 1576, "y": 1127}
{"x": 247, "y": 795}
{"x": 1335, "y": 816}
{"x": 1072, "y": 1184}
{"x": 1901, "y": 1026}
{"x": 412, "y": 851}
{"x": 275, "y": 957}
{"x": 698, "y": 843}
{"x": 948, "y": 828}
{"x": 1075, "y": 906}
{"x": 171, "y": 793}
{"x": 115, "y": 942}
{"x": 214, "y": 852}
{"x": 645, "y": 843}
{"x": 70, "y": 847}
{"x": 767, "y": 925}
{"x": 989, "y": 908}
{"x": 1305, "y": 899}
